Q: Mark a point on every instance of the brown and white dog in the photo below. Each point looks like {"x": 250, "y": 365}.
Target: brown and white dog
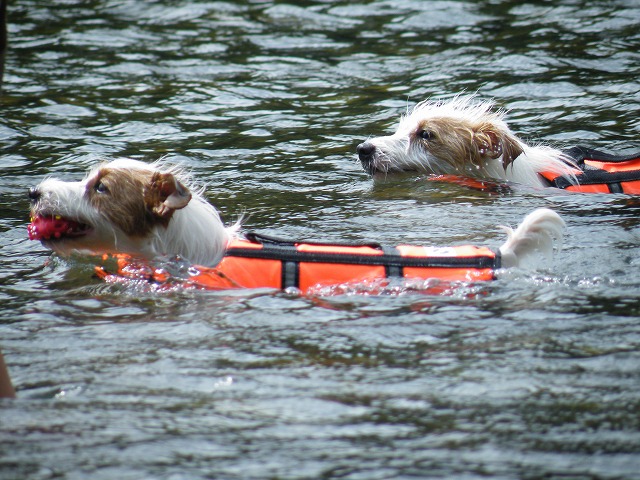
{"x": 464, "y": 137}
{"x": 128, "y": 206}
{"x": 151, "y": 210}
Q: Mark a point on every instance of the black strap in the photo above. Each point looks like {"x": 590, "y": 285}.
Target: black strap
{"x": 290, "y": 276}
{"x": 595, "y": 176}
{"x": 393, "y": 270}
{"x": 580, "y": 154}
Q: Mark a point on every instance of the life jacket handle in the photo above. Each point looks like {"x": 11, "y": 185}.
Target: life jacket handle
{"x": 579, "y": 154}
{"x": 391, "y": 256}
{"x": 262, "y": 239}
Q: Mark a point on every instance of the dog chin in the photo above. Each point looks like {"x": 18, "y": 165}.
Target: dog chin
{"x": 377, "y": 169}
{"x": 67, "y": 247}
{"x": 382, "y": 173}
{"x": 385, "y": 175}
{"x": 88, "y": 244}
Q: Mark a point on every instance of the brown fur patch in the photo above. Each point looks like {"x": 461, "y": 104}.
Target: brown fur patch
{"x": 458, "y": 142}
{"x": 136, "y": 200}
{"x": 118, "y": 195}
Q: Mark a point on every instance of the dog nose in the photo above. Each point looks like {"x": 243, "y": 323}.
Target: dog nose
{"x": 365, "y": 151}
{"x": 34, "y": 194}
{"x": 366, "y": 154}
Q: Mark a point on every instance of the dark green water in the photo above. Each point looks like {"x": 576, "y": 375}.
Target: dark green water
{"x": 536, "y": 375}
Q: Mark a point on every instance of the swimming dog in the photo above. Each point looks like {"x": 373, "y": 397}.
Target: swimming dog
{"x": 128, "y": 206}
{"x": 463, "y": 137}
{"x": 151, "y": 210}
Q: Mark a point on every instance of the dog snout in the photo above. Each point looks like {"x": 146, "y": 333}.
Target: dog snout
{"x": 34, "y": 194}
{"x": 365, "y": 151}
{"x": 366, "y": 154}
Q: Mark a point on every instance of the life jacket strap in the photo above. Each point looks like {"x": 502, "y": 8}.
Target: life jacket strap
{"x": 283, "y": 249}
{"x": 392, "y": 269}
{"x": 579, "y": 154}
{"x": 600, "y": 169}
{"x": 390, "y": 256}
{"x": 292, "y": 255}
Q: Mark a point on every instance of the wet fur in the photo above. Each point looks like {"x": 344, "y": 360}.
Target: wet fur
{"x": 465, "y": 137}
{"x": 135, "y": 208}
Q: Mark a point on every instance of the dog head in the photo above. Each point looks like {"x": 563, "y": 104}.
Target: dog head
{"x": 130, "y": 207}
{"x": 456, "y": 137}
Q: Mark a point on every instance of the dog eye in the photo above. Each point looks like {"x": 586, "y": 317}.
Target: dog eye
{"x": 101, "y": 188}
{"x": 425, "y": 134}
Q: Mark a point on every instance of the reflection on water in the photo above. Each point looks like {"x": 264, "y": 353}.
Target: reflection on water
{"x": 533, "y": 375}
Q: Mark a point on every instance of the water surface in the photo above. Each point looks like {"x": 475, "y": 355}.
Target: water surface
{"x": 534, "y": 375}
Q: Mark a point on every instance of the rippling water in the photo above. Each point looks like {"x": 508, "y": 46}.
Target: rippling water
{"x": 535, "y": 375}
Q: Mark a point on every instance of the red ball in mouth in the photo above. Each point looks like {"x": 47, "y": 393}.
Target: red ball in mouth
{"x": 53, "y": 227}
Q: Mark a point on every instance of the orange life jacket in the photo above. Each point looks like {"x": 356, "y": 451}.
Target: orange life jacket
{"x": 263, "y": 261}
{"x": 600, "y": 172}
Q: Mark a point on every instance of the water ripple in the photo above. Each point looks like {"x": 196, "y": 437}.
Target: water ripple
{"x": 532, "y": 375}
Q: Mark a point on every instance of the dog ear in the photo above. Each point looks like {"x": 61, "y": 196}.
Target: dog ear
{"x": 491, "y": 144}
{"x": 164, "y": 194}
{"x": 511, "y": 150}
